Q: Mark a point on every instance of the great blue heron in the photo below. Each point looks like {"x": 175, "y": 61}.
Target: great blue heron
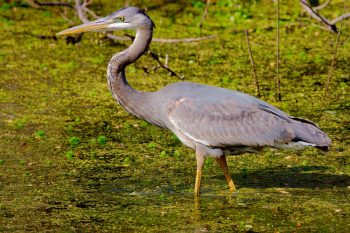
{"x": 214, "y": 121}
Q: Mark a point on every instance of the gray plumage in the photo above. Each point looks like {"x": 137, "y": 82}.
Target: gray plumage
{"x": 213, "y": 121}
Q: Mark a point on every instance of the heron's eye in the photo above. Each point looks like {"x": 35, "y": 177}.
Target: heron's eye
{"x": 120, "y": 18}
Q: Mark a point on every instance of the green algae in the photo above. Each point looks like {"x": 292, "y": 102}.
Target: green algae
{"x": 73, "y": 160}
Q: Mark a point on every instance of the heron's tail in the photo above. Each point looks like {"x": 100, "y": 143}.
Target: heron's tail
{"x": 308, "y": 133}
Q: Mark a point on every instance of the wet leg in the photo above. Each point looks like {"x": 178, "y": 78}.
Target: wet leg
{"x": 200, "y": 162}
{"x": 223, "y": 164}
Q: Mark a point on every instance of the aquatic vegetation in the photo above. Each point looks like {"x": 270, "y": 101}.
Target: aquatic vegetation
{"x": 74, "y": 141}
{"x": 71, "y": 159}
{"x": 69, "y": 154}
{"x": 102, "y": 140}
{"x": 40, "y": 134}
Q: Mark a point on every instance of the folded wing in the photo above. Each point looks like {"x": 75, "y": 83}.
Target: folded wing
{"x": 228, "y": 122}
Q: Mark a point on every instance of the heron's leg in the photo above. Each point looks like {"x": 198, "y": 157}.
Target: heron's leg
{"x": 223, "y": 164}
{"x": 200, "y": 162}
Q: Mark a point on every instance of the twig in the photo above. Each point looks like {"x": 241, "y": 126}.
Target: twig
{"x": 65, "y": 17}
{"x": 320, "y": 27}
{"x": 330, "y": 74}
{"x": 86, "y": 3}
{"x": 317, "y": 8}
{"x": 313, "y": 13}
{"x": 64, "y": 4}
{"x": 252, "y": 64}
{"x": 33, "y": 4}
{"x": 91, "y": 13}
{"x": 347, "y": 40}
{"x": 184, "y": 40}
{"x": 340, "y": 18}
{"x": 80, "y": 10}
{"x": 205, "y": 13}
{"x": 278, "y": 95}
{"x": 165, "y": 65}
{"x": 146, "y": 69}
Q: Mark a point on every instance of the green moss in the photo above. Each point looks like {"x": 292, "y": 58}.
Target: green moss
{"x": 102, "y": 140}
{"x": 152, "y": 145}
{"x": 39, "y": 134}
{"x": 69, "y": 154}
{"x": 74, "y": 141}
{"x": 72, "y": 160}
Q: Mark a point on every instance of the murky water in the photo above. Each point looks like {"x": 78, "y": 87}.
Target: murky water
{"x": 72, "y": 160}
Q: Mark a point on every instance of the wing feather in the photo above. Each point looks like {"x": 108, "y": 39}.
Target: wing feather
{"x": 228, "y": 122}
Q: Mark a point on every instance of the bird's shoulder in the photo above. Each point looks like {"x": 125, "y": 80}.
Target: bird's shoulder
{"x": 210, "y": 99}
{"x": 202, "y": 93}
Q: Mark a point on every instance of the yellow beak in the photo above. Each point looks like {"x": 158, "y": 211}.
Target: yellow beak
{"x": 94, "y": 26}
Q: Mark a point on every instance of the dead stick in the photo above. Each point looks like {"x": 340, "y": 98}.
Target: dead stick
{"x": 80, "y": 11}
{"x": 252, "y": 64}
{"x": 165, "y": 65}
{"x": 183, "y": 40}
{"x": 340, "y": 18}
{"x": 330, "y": 74}
{"x": 317, "y": 8}
{"x": 205, "y": 13}
{"x": 317, "y": 16}
{"x": 37, "y": 4}
{"x": 278, "y": 95}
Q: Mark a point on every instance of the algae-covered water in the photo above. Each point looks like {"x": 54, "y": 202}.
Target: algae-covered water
{"x": 72, "y": 160}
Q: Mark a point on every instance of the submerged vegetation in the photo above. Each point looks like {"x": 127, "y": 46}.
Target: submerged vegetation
{"x": 71, "y": 159}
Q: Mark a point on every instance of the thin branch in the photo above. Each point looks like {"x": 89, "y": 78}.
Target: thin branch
{"x": 320, "y": 27}
{"x": 330, "y": 74}
{"x": 205, "y": 13}
{"x": 87, "y": 10}
{"x": 184, "y": 40}
{"x": 278, "y": 95}
{"x": 317, "y": 8}
{"x": 347, "y": 40}
{"x": 80, "y": 10}
{"x": 252, "y": 64}
{"x": 33, "y": 4}
{"x": 313, "y": 13}
{"x": 165, "y": 65}
{"x": 340, "y": 18}
{"x": 86, "y": 3}
{"x": 65, "y": 17}
{"x": 64, "y": 4}
{"x": 317, "y": 16}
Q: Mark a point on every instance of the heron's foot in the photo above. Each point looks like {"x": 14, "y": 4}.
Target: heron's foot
{"x": 196, "y": 192}
{"x": 232, "y": 186}
{"x": 223, "y": 164}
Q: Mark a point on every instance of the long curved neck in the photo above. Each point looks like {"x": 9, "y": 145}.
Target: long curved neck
{"x": 135, "y": 102}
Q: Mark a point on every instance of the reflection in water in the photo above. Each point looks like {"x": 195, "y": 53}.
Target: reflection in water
{"x": 197, "y": 215}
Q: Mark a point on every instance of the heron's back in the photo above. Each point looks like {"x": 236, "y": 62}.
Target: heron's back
{"x": 218, "y": 117}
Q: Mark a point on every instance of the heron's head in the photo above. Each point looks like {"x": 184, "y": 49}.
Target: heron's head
{"x": 125, "y": 18}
